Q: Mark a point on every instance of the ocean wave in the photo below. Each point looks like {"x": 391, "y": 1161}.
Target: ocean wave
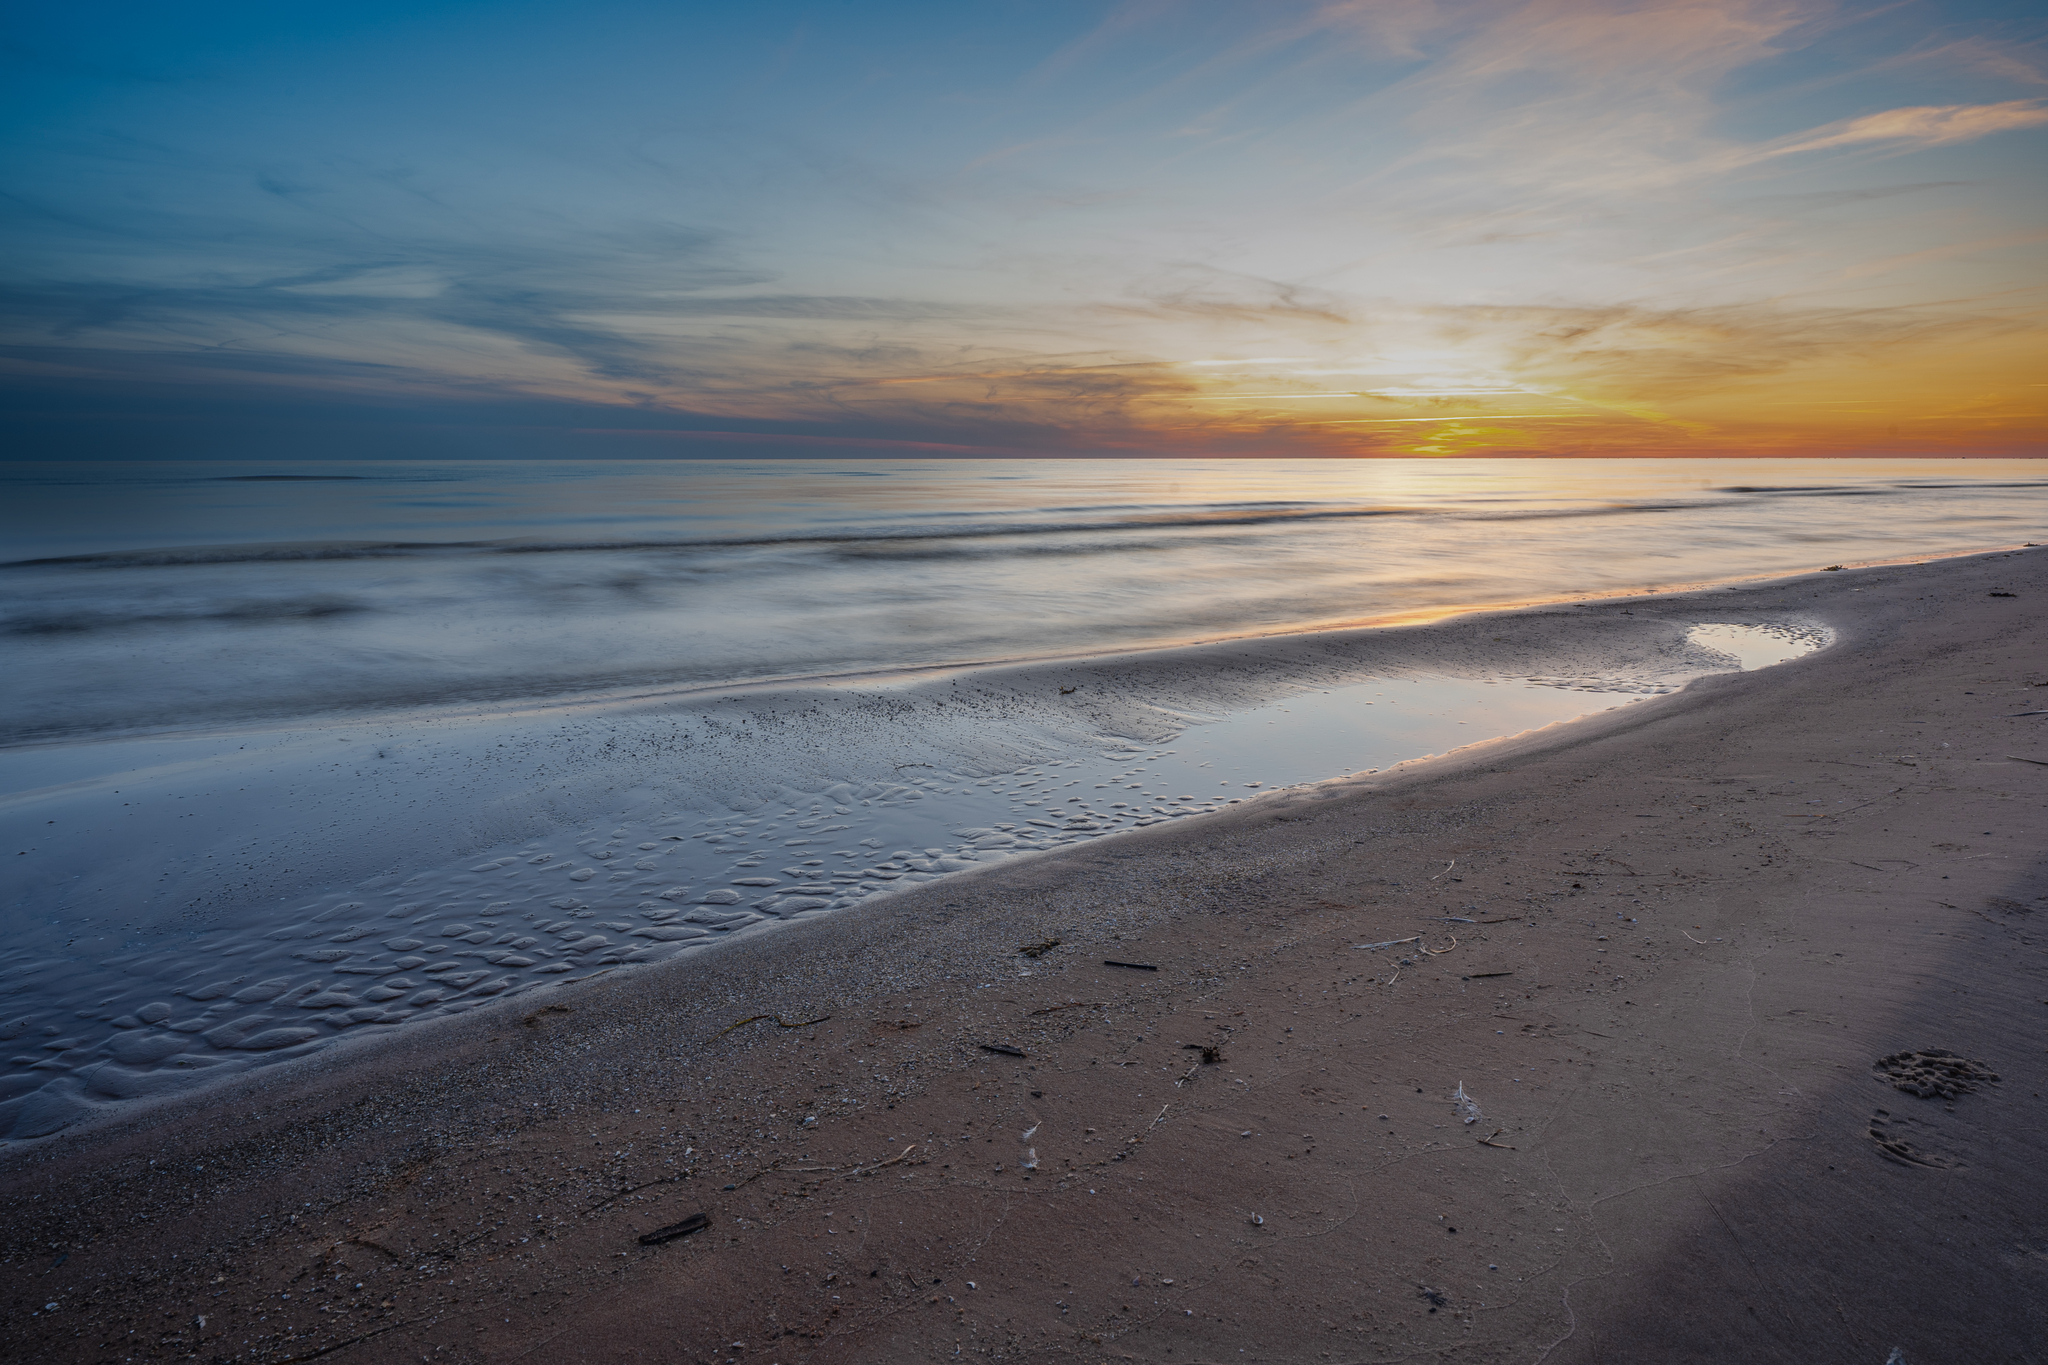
{"x": 250, "y": 554}
{"x": 1222, "y": 518}
{"x": 1854, "y": 491}
{"x": 898, "y": 552}
{"x": 1824, "y": 489}
{"x": 82, "y": 622}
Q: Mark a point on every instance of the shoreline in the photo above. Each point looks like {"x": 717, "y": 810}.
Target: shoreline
{"x": 1658, "y": 1174}
{"x": 910, "y": 675}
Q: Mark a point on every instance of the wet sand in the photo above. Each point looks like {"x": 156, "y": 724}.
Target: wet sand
{"x": 1664, "y": 950}
{"x": 207, "y": 904}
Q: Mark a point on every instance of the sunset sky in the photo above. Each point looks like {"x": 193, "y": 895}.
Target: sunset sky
{"x": 1163, "y": 227}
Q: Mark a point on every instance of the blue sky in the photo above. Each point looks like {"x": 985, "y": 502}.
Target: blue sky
{"x": 1402, "y": 227}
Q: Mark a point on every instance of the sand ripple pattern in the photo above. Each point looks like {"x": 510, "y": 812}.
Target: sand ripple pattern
{"x": 388, "y": 952}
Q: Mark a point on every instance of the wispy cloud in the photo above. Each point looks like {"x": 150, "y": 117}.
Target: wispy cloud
{"x": 1575, "y": 97}
{"x": 1919, "y": 126}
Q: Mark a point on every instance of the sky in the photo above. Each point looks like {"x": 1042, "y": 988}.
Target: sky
{"x": 1155, "y": 227}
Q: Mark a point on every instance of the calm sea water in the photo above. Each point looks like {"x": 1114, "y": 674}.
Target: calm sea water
{"x": 139, "y": 596}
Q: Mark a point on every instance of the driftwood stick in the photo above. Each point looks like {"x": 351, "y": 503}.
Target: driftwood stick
{"x": 779, "y": 1020}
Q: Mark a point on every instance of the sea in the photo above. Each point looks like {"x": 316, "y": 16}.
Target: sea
{"x": 295, "y": 755}
{"x": 151, "y": 596}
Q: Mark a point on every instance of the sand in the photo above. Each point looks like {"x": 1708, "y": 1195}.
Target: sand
{"x": 1671, "y": 953}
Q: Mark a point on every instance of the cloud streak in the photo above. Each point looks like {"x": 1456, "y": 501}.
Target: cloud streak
{"x": 1921, "y": 126}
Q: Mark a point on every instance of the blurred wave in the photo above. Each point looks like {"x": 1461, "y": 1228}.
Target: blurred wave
{"x": 154, "y": 596}
{"x": 1178, "y": 518}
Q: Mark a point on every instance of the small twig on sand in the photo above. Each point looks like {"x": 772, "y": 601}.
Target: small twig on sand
{"x": 1439, "y": 952}
{"x": 1161, "y": 1119}
{"x": 854, "y": 1170}
{"x": 892, "y": 1160}
{"x": 330, "y": 1349}
{"x": 1392, "y": 979}
{"x": 696, "y": 1222}
{"x": 1447, "y": 867}
{"x": 1488, "y": 1140}
{"x": 780, "y": 1022}
{"x": 2017, "y": 759}
{"x": 769, "y": 1169}
{"x": 1702, "y": 942}
{"x": 1390, "y": 943}
{"x": 633, "y": 1189}
{"x": 1837, "y": 814}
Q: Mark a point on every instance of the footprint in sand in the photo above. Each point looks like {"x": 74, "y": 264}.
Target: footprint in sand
{"x": 1933, "y": 1073}
{"x": 1910, "y": 1142}
{"x": 1928, "y": 1074}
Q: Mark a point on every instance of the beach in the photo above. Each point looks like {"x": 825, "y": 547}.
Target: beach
{"x": 1581, "y": 1045}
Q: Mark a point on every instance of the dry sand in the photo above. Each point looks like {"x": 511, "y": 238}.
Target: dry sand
{"x": 1686, "y": 933}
